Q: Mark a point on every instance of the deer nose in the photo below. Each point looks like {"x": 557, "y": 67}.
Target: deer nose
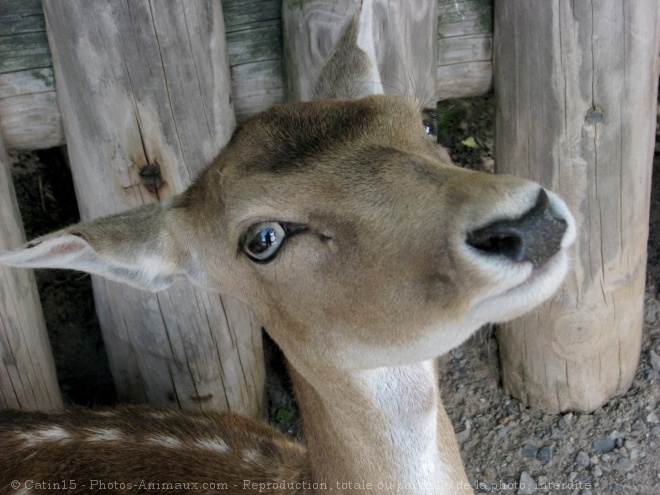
{"x": 534, "y": 237}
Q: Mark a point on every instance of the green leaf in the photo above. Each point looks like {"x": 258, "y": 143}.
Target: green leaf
{"x": 470, "y": 142}
{"x": 284, "y": 415}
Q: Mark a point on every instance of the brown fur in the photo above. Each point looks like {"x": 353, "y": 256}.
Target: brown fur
{"x": 85, "y": 460}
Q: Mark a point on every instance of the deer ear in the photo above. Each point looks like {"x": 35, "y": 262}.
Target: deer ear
{"x": 132, "y": 247}
{"x": 352, "y": 69}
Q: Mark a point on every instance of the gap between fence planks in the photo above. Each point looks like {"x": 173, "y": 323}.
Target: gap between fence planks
{"x": 576, "y": 97}
{"x": 146, "y": 83}
{"x": 27, "y": 370}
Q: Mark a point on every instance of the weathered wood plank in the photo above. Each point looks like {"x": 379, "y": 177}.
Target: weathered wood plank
{"x": 27, "y": 371}
{"x": 29, "y": 114}
{"x": 465, "y": 48}
{"x": 254, "y": 41}
{"x": 576, "y": 112}
{"x": 156, "y": 88}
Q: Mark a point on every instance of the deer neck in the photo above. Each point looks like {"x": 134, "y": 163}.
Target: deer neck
{"x": 381, "y": 430}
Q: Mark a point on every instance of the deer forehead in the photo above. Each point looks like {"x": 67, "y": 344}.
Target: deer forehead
{"x": 298, "y": 161}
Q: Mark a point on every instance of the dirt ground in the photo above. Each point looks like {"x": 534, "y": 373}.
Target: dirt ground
{"x": 614, "y": 450}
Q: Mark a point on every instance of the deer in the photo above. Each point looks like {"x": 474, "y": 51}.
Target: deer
{"x": 365, "y": 252}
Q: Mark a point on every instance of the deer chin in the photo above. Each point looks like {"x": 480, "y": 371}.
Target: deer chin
{"x": 537, "y": 287}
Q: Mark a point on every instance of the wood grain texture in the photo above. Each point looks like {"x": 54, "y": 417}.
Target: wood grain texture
{"x": 31, "y": 119}
{"x": 404, "y": 37}
{"x": 139, "y": 83}
{"x": 254, "y": 42}
{"x": 576, "y": 88}
{"x": 27, "y": 370}
{"x": 29, "y": 115}
{"x": 465, "y": 48}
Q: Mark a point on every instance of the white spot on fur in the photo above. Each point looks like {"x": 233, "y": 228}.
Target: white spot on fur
{"x": 159, "y": 415}
{"x": 51, "y": 434}
{"x": 250, "y": 456}
{"x": 216, "y": 444}
{"x": 164, "y": 441}
{"x": 202, "y": 420}
{"x": 105, "y": 435}
{"x": 106, "y": 414}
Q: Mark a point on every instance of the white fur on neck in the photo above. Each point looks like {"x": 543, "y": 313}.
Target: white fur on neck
{"x": 386, "y": 425}
{"x": 409, "y": 397}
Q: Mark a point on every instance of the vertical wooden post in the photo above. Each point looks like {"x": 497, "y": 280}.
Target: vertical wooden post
{"x": 145, "y": 95}
{"x": 404, "y": 37}
{"x": 576, "y": 88}
{"x": 27, "y": 370}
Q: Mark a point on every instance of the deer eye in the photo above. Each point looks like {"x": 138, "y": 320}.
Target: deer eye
{"x": 263, "y": 240}
{"x": 428, "y": 120}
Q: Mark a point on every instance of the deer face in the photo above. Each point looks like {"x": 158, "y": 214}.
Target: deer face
{"x": 351, "y": 234}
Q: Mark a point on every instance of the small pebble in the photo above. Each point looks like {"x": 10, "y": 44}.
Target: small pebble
{"x": 526, "y": 485}
{"x": 652, "y": 418}
{"x": 529, "y": 451}
{"x": 597, "y": 472}
{"x": 655, "y": 360}
{"x": 655, "y": 430}
{"x": 638, "y": 426}
{"x": 462, "y": 436}
{"x": 557, "y": 434}
{"x": 604, "y": 445}
{"x": 634, "y": 454}
{"x": 624, "y": 464}
{"x": 501, "y": 433}
{"x": 545, "y": 454}
{"x": 582, "y": 459}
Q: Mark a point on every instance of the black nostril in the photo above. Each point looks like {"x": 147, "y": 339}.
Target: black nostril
{"x": 535, "y": 237}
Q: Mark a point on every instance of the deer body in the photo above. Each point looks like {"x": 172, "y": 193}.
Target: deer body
{"x": 365, "y": 253}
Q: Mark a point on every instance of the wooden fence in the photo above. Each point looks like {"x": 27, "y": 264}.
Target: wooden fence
{"x": 160, "y": 84}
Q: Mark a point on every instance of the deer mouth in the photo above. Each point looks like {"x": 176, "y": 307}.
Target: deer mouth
{"x": 532, "y": 252}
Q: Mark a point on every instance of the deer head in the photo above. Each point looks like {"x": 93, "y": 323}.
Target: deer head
{"x": 364, "y": 251}
{"x": 332, "y": 219}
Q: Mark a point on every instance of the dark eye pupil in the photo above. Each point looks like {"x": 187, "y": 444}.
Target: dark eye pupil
{"x": 263, "y": 241}
{"x": 429, "y": 126}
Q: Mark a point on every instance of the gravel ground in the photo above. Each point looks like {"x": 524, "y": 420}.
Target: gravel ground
{"x": 506, "y": 448}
